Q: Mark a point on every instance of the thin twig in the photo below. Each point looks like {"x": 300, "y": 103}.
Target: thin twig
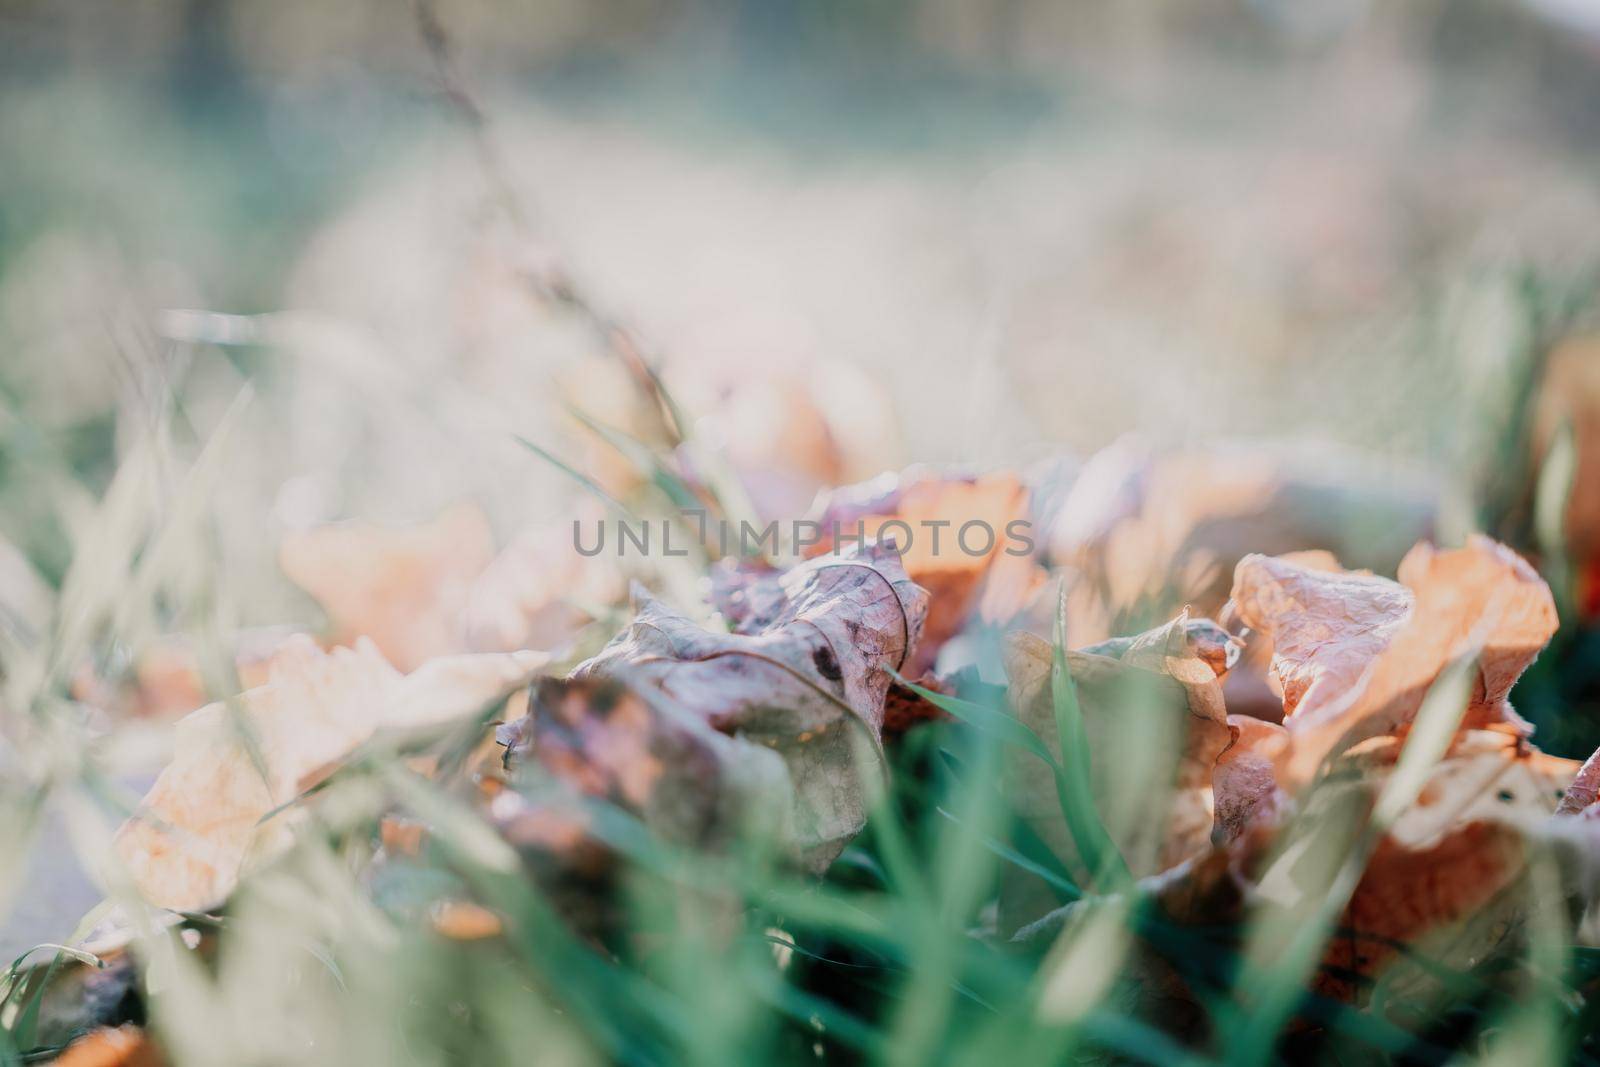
{"x": 550, "y": 282}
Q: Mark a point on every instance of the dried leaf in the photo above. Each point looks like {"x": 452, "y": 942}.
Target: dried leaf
{"x": 1245, "y": 783}
{"x": 121, "y": 1046}
{"x": 595, "y": 737}
{"x": 1173, "y": 647}
{"x": 1585, "y": 788}
{"x": 233, "y": 763}
{"x": 691, "y": 783}
{"x": 809, "y": 682}
{"x": 1156, "y": 726}
{"x": 748, "y": 593}
{"x": 80, "y": 997}
{"x": 1444, "y": 883}
{"x": 1445, "y": 879}
{"x": 1354, "y": 654}
{"x": 1147, "y": 532}
{"x": 976, "y": 573}
{"x": 403, "y": 588}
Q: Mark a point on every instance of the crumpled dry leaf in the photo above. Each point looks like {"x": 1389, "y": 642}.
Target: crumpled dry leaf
{"x": 235, "y": 762}
{"x": 1245, "y": 784}
{"x": 635, "y": 748}
{"x": 1585, "y": 788}
{"x": 1153, "y": 715}
{"x": 1355, "y": 654}
{"x": 749, "y": 595}
{"x": 1444, "y": 884}
{"x": 1445, "y": 879}
{"x": 403, "y": 588}
{"x": 1252, "y": 688}
{"x": 1172, "y": 647}
{"x": 1149, "y": 531}
{"x": 807, "y": 681}
{"x": 993, "y": 584}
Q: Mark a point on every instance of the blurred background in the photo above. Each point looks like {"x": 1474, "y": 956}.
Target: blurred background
{"x": 373, "y": 241}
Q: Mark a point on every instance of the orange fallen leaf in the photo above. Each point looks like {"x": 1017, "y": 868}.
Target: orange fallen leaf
{"x": 1445, "y": 878}
{"x": 234, "y": 762}
{"x": 403, "y": 588}
{"x": 1444, "y": 884}
{"x": 120, "y": 1046}
{"x": 1354, "y": 654}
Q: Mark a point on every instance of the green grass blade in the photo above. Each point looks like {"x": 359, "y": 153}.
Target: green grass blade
{"x": 1073, "y": 783}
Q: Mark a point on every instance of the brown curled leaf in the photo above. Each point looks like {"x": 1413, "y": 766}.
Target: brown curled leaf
{"x": 969, "y": 572}
{"x": 1355, "y": 654}
{"x": 691, "y": 783}
{"x": 597, "y": 738}
{"x": 1252, "y": 688}
{"x": 807, "y": 679}
{"x": 1172, "y": 647}
{"x": 1245, "y": 784}
{"x": 1485, "y": 584}
{"x": 749, "y": 595}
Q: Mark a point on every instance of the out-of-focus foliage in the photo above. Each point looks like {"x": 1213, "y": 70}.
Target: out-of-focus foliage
{"x": 281, "y": 286}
